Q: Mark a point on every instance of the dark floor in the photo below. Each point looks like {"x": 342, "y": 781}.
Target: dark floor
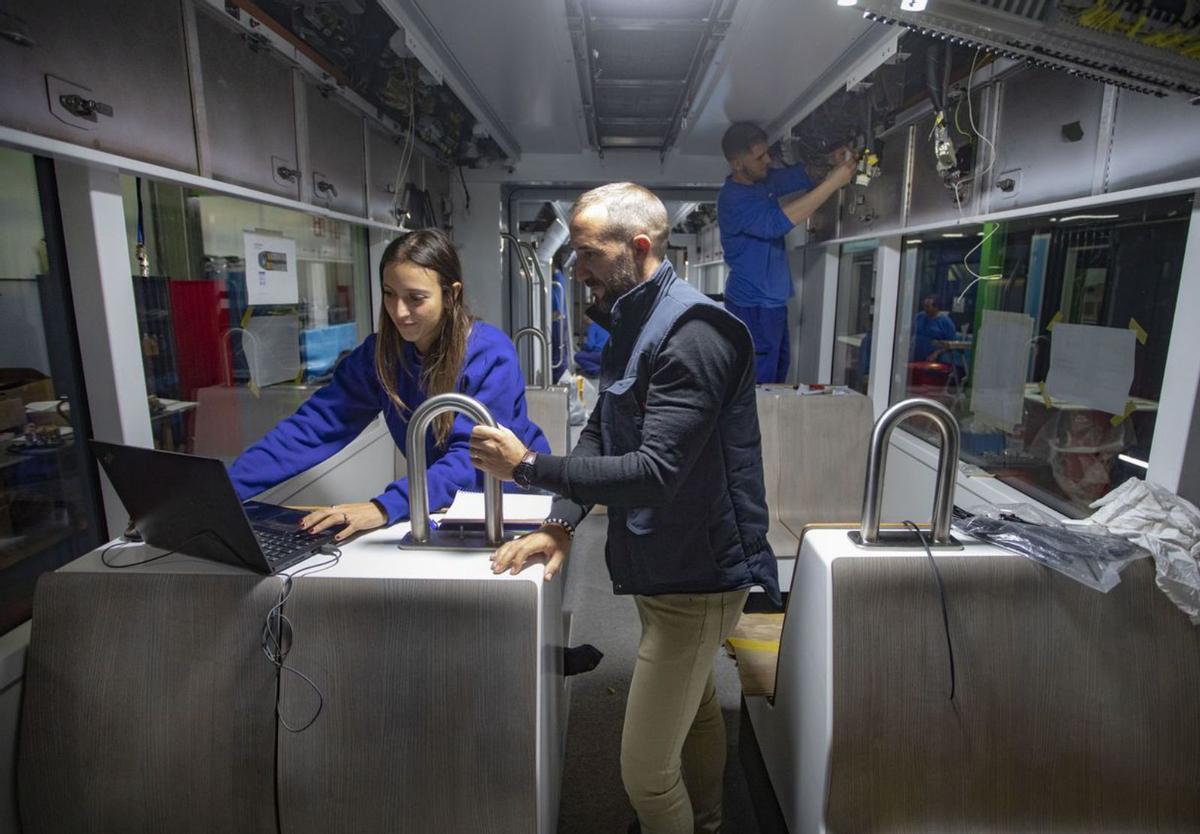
{"x": 593, "y": 799}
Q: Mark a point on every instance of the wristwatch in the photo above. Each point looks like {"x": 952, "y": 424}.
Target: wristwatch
{"x": 523, "y": 471}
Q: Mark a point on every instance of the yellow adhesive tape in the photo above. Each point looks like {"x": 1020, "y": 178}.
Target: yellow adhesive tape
{"x": 754, "y": 645}
{"x": 1045, "y": 396}
{"x": 255, "y": 390}
{"x": 1118, "y": 419}
{"x": 1057, "y": 318}
{"x": 246, "y": 317}
{"x": 1138, "y": 331}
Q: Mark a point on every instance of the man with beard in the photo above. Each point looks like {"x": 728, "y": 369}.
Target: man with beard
{"x": 754, "y": 221}
{"x": 673, "y": 449}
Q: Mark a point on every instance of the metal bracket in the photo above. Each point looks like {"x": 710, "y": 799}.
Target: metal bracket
{"x": 282, "y": 172}
{"x": 454, "y": 539}
{"x": 323, "y": 187}
{"x": 903, "y": 539}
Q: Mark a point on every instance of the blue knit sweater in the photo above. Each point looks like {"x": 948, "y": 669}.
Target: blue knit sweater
{"x": 338, "y": 413}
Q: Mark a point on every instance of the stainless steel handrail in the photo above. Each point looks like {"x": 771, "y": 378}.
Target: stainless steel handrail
{"x": 546, "y": 366}
{"x": 518, "y": 251}
{"x": 418, "y": 489}
{"x": 547, "y": 292}
{"x": 943, "y": 496}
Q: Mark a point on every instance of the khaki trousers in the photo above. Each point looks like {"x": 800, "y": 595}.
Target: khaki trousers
{"x": 673, "y": 743}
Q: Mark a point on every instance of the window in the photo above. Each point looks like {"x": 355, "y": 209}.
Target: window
{"x": 49, "y": 503}
{"x": 228, "y": 352}
{"x": 855, "y": 317}
{"x": 1047, "y": 337}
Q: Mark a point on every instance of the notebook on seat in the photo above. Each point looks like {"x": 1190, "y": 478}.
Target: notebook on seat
{"x": 187, "y": 503}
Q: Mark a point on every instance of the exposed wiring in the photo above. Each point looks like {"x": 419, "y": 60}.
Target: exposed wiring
{"x": 976, "y": 275}
{"x": 937, "y": 575}
{"x": 466, "y": 193}
{"x": 406, "y": 153}
{"x": 971, "y": 122}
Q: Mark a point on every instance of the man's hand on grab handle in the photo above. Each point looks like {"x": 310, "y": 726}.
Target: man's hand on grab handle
{"x": 496, "y": 451}
{"x": 549, "y": 540}
{"x": 355, "y": 518}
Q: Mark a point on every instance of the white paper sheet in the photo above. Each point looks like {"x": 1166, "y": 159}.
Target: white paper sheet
{"x": 272, "y": 345}
{"x": 518, "y": 509}
{"x": 270, "y": 270}
{"x": 1001, "y": 361}
{"x": 1091, "y": 366}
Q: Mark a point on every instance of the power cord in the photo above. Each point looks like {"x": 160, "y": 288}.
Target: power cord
{"x": 128, "y": 542}
{"x": 942, "y": 598}
{"x": 278, "y": 638}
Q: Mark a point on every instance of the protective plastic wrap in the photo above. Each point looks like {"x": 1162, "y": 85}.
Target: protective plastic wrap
{"x": 1166, "y": 525}
{"x": 1092, "y": 556}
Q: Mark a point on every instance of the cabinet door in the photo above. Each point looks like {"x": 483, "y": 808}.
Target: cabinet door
{"x": 384, "y": 155}
{"x": 251, "y": 117}
{"x": 86, "y": 50}
{"x": 335, "y": 145}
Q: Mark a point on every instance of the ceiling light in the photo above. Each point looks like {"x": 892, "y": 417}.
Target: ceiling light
{"x": 847, "y": 2}
{"x": 1134, "y": 461}
{"x": 913, "y": 5}
{"x": 953, "y": 234}
{"x": 912, "y": 241}
{"x": 1091, "y": 217}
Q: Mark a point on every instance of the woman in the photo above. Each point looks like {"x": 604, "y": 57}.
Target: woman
{"x": 428, "y": 343}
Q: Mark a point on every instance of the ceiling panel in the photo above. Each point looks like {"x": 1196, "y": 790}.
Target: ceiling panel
{"x": 775, "y": 50}
{"x": 518, "y": 54}
{"x": 658, "y": 8}
{"x": 643, "y": 53}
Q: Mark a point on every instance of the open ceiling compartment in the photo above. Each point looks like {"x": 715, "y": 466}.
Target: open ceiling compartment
{"x": 639, "y": 65}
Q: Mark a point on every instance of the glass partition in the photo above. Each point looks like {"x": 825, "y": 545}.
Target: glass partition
{"x": 855, "y": 316}
{"x": 1047, "y": 337}
{"x": 49, "y": 501}
{"x": 244, "y": 311}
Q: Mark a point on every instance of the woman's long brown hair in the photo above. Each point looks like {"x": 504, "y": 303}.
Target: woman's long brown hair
{"x": 431, "y": 249}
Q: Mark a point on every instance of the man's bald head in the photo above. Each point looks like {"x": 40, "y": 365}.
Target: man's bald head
{"x": 626, "y": 210}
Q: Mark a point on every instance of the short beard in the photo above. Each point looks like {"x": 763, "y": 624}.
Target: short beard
{"x": 621, "y": 280}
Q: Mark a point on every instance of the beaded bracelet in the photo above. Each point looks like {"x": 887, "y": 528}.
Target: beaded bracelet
{"x": 564, "y": 524}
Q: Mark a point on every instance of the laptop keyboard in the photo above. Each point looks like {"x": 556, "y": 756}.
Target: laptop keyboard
{"x": 277, "y": 545}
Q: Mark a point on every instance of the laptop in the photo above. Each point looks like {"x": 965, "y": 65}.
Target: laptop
{"x": 187, "y": 504}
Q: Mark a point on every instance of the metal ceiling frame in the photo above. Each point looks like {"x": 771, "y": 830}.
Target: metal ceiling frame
{"x": 582, "y": 25}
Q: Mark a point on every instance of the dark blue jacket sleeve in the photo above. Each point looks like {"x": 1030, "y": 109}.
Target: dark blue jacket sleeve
{"x": 321, "y": 427}
{"x": 754, "y": 214}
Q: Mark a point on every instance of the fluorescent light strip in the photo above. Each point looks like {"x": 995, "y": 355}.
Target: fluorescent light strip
{"x": 1134, "y": 461}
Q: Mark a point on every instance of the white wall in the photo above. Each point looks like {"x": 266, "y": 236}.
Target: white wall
{"x": 477, "y": 236}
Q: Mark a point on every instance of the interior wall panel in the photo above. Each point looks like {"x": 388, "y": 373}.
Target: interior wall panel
{"x": 1039, "y": 110}
{"x": 129, "y": 56}
{"x": 1154, "y": 140}
{"x": 251, "y": 113}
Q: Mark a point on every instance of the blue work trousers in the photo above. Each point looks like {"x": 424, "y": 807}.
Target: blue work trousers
{"x": 772, "y": 351}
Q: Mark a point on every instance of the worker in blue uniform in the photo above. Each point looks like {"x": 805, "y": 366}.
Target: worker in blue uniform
{"x": 428, "y": 343}
{"x": 930, "y": 325}
{"x": 754, "y": 217}
{"x": 587, "y": 358}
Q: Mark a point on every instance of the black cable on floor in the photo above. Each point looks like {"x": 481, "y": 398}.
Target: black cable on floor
{"x": 942, "y": 597}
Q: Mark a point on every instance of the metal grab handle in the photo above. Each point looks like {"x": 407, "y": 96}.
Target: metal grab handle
{"x": 943, "y": 496}
{"x": 547, "y": 291}
{"x": 518, "y": 250}
{"x": 418, "y": 489}
{"x": 541, "y": 337}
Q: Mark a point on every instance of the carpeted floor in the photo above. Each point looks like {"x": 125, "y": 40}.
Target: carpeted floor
{"x": 593, "y": 799}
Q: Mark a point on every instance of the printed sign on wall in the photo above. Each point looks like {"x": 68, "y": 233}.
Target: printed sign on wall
{"x": 270, "y": 270}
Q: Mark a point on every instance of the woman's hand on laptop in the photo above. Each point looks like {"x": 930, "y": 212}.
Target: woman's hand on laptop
{"x": 354, "y": 518}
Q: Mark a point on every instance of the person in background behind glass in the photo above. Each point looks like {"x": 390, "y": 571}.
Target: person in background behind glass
{"x": 587, "y": 358}
{"x": 931, "y": 324}
{"x": 428, "y": 343}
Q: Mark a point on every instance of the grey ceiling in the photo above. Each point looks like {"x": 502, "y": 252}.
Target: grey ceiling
{"x": 639, "y": 65}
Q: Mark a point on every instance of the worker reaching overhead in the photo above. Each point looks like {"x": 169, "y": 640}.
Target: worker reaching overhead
{"x": 754, "y": 217}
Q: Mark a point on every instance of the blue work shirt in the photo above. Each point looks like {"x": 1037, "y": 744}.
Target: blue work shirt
{"x": 338, "y": 413}
{"x": 753, "y": 226}
{"x": 926, "y": 330}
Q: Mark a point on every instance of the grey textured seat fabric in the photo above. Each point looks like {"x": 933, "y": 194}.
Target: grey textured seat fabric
{"x": 549, "y": 409}
{"x": 148, "y": 706}
{"x": 814, "y": 461}
{"x": 430, "y": 706}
